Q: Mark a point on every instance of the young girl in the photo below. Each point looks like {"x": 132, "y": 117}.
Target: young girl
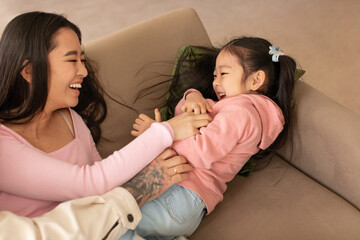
{"x": 51, "y": 107}
{"x": 253, "y": 82}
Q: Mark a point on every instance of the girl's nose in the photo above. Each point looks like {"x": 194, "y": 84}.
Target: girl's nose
{"x": 215, "y": 82}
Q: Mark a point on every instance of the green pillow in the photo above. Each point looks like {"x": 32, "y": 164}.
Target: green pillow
{"x": 189, "y": 53}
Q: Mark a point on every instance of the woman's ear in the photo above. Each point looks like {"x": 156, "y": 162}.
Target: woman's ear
{"x": 258, "y": 80}
{"x": 26, "y": 72}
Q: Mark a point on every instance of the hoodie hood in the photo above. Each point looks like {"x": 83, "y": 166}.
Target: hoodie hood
{"x": 271, "y": 116}
{"x": 272, "y": 119}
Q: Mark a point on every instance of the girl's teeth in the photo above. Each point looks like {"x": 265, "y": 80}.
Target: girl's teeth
{"x": 75, "y": 85}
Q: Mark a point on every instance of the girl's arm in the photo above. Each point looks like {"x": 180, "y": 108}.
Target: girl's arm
{"x": 193, "y": 101}
{"x": 29, "y": 172}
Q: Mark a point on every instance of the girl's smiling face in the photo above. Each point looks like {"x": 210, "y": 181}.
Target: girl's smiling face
{"x": 229, "y": 77}
{"x": 66, "y": 70}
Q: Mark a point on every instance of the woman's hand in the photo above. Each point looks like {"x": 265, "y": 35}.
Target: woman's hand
{"x": 167, "y": 169}
{"x": 187, "y": 124}
{"x": 196, "y": 103}
{"x": 143, "y": 122}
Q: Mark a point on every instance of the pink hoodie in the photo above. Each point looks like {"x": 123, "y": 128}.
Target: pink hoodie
{"x": 241, "y": 126}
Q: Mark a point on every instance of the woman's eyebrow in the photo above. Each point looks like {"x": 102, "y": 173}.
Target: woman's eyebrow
{"x": 70, "y": 53}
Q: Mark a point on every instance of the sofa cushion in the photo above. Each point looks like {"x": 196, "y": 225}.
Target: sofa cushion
{"x": 279, "y": 202}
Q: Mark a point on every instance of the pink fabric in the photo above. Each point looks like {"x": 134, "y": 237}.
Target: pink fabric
{"x": 241, "y": 126}
{"x": 33, "y": 182}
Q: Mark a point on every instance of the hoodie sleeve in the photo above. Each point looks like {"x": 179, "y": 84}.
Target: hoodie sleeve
{"x": 234, "y": 124}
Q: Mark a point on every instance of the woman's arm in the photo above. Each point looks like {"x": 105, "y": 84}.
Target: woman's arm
{"x": 28, "y": 172}
{"x": 115, "y": 212}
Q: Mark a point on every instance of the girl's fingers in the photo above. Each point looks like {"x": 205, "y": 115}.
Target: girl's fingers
{"x": 197, "y": 109}
{"x": 203, "y": 109}
{"x": 157, "y": 115}
{"x": 208, "y": 108}
{"x": 183, "y": 108}
{"x": 143, "y": 117}
{"x": 134, "y": 133}
{"x": 139, "y": 121}
{"x": 136, "y": 126}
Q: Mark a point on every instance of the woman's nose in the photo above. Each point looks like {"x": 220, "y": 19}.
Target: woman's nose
{"x": 82, "y": 69}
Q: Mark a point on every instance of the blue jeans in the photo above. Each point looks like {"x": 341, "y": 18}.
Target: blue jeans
{"x": 176, "y": 212}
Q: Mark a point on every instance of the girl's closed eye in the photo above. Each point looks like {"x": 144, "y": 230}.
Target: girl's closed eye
{"x": 223, "y": 73}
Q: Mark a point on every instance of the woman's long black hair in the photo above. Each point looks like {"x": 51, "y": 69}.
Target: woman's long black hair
{"x": 28, "y": 39}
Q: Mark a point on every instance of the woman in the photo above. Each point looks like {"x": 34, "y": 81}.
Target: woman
{"x": 51, "y": 106}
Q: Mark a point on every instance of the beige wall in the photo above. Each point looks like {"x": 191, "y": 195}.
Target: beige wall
{"x": 322, "y": 35}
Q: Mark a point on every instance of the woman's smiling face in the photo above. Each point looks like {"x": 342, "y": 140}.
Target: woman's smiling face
{"x": 66, "y": 70}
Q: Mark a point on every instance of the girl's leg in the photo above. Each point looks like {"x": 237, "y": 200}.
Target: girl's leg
{"x": 176, "y": 212}
{"x": 129, "y": 235}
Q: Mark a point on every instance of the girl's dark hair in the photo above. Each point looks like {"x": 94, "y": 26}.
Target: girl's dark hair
{"x": 253, "y": 55}
{"x": 28, "y": 39}
{"x": 194, "y": 69}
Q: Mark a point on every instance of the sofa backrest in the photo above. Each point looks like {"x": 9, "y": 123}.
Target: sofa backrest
{"x": 134, "y": 58}
{"x": 326, "y": 142}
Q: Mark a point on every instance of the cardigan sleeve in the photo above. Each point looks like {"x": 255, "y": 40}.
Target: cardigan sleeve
{"x": 75, "y": 219}
{"x": 29, "y": 172}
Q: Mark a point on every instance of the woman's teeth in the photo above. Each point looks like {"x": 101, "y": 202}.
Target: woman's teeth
{"x": 75, "y": 85}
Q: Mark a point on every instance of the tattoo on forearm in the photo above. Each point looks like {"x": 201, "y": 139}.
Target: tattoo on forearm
{"x": 147, "y": 184}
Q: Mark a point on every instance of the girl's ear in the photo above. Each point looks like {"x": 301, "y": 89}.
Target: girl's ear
{"x": 257, "y": 80}
{"x": 26, "y": 72}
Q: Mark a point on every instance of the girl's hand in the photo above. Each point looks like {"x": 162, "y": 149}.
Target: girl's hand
{"x": 187, "y": 124}
{"x": 196, "y": 103}
{"x": 166, "y": 170}
{"x": 143, "y": 122}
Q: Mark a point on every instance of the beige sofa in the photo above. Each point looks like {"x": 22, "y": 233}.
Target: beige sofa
{"x": 311, "y": 190}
